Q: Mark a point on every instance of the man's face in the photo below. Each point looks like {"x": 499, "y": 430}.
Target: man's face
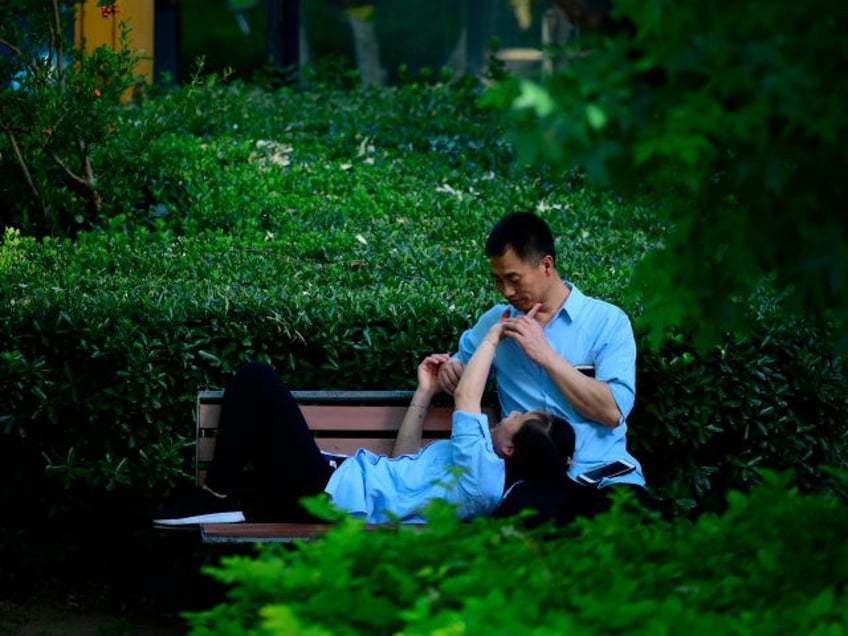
{"x": 523, "y": 284}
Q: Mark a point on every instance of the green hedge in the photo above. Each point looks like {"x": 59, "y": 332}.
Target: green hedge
{"x": 112, "y": 335}
{"x": 343, "y": 297}
{"x": 774, "y": 563}
{"x": 339, "y": 235}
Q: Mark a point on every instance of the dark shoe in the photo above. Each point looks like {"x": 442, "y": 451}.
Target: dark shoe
{"x": 201, "y": 507}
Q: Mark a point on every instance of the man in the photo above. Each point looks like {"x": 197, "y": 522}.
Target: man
{"x": 536, "y": 366}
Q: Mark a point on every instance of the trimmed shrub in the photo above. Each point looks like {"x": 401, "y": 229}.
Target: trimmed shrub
{"x": 340, "y": 237}
{"x": 115, "y": 332}
{"x": 706, "y": 423}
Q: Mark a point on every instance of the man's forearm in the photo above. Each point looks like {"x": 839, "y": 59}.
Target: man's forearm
{"x": 589, "y": 397}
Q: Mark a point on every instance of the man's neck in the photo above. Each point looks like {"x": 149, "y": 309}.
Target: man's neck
{"x": 554, "y": 301}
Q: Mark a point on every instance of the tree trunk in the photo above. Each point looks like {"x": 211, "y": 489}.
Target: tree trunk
{"x": 367, "y": 49}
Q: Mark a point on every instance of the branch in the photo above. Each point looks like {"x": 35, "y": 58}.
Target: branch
{"x": 73, "y": 175}
{"x": 88, "y": 181}
{"x": 60, "y": 62}
{"x": 89, "y": 173}
{"x": 4, "y": 42}
{"x": 22, "y": 162}
{"x": 10, "y": 46}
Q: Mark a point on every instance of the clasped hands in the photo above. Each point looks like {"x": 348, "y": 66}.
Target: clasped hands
{"x": 523, "y": 329}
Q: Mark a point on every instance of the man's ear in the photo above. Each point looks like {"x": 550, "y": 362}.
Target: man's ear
{"x": 548, "y": 263}
{"x": 508, "y": 449}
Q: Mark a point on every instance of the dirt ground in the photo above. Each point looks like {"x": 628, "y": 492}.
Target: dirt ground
{"x": 40, "y": 618}
{"x": 126, "y": 586}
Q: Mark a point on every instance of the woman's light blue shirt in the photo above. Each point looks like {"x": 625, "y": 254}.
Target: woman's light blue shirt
{"x": 585, "y": 331}
{"x": 463, "y": 470}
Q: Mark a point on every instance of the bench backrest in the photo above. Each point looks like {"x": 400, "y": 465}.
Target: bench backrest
{"x": 342, "y": 421}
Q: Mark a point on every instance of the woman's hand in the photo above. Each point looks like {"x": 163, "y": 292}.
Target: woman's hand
{"x": 469, "y": 392}
{"x": 496, "y": 331}
{"x": 409, "y": 433}
{"x": 428, "y": 372}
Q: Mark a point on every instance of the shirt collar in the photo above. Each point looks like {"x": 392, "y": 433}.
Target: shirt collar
{"x": 571, "y": 308}
{"x": 574, "y": 304}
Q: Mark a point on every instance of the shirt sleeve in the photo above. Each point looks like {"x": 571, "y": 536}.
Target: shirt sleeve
{"x": 616, "y": 364}
{"x": 480, "y": 472}
{"x": 471, "y": 338}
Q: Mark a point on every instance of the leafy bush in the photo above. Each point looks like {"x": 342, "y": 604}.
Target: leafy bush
{"x": 338, "y": 235}
{"x": 773, "y": 563}
{"x": 135, "y": 320}
{"x": 57, "y": 108}
{"x": 708, "y": 422}
{"x": 115, "y": 331}
{"x": 736, "y": 127}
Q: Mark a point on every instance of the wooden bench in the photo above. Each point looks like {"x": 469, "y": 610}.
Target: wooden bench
{"x": 343, "y": 421}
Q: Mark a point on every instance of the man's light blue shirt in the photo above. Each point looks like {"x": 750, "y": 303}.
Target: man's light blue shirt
{"x": 463, "y": 470}
{"x": 585, "y": 331}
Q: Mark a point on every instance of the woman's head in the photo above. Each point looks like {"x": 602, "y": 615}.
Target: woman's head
{"x": 537, "y": 446}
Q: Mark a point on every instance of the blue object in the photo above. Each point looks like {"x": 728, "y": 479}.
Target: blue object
{"x": 585, "y": 331}
{"x": 463, "y": 470}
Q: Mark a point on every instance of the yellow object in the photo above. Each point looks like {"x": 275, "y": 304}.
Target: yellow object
{"x": 523, "y": 12}
{"x": 92, "y": 29}
{"x": 363, "y": 12}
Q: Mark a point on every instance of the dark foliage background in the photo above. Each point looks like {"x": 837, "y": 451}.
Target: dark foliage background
{"x": 337, "y": 233}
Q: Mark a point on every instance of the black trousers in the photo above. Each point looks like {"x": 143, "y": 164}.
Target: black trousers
{"x": 562, "y": 503}
{"x": 262, "y": 426}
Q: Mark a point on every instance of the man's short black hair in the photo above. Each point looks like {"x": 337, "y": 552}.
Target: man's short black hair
{"x": 527, "y": 234}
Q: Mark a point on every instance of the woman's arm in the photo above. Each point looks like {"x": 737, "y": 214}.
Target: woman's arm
{"x": 408, "y": 438}
{"x": 469, "y": 392}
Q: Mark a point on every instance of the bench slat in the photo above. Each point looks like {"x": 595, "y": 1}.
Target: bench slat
{"x": 345, "y": 418}
{"x": 370, "y": 418}
{"x": 264, "y": 532}
{"x": 268, "y": 532}
{"x": 339, "y": 428}
{"x": 205, "y": 449}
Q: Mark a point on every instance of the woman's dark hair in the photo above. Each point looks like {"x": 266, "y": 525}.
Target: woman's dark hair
{"x": 527, "y": 234}
{"x": 542, "y": 449}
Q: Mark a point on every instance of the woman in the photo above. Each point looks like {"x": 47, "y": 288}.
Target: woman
{"x": 261, "y": 425}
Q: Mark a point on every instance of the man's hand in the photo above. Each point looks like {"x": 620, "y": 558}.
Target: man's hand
{"x": 429, "y": 372}
{"x": 528, "y": 334}
{"x": 449, "y": 373}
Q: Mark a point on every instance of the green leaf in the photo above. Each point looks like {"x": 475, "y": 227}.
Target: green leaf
{"x": 534, "y": 97}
